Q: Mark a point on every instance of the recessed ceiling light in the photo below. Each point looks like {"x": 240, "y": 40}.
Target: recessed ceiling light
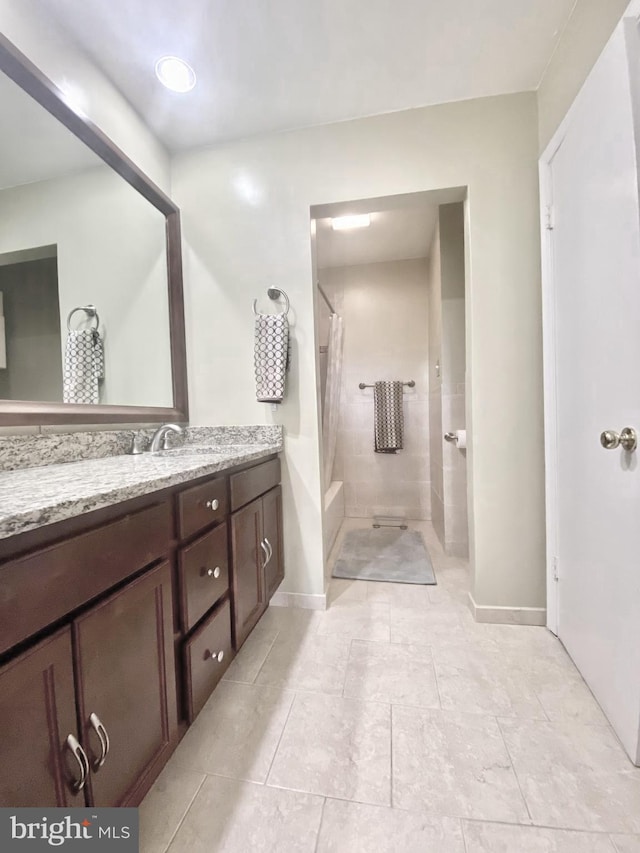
{"x": 345, "y": 223}
{"x": 175, "y": 74}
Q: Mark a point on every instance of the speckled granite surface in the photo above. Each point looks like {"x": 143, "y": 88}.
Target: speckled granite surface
{"x": 33, "y": 497}
{"x": 30, "y": 451}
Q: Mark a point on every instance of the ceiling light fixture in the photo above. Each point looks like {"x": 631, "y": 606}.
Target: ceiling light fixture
{"x": 346, "y": 223}
{"x": 175, "y": 74}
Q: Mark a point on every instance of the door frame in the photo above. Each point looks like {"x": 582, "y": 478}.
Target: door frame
{"x": 549, "y": 357}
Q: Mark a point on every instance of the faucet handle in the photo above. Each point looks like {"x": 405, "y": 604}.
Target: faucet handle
{"x": 139, "y": 444}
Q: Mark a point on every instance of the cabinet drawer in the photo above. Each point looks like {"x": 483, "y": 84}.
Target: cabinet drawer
{"x": 50, "y": 583}
{"x": 253, "y": 482}
{"x": 201, "y": 505}
{"x": 206, "y": 657}
{"x": 204, "y": 575}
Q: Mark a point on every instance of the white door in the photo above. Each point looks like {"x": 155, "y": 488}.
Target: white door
{"x": 595, "y": 274}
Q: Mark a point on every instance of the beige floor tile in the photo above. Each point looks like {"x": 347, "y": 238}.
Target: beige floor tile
{"x": 238, "y": 817}
{"x": 574, "y": 776}
{"x": 247, "y": 663}
{"x": 355, "y": 828}
{"x": 341, "y": 590}
{"x": 295, "y": 621}
{"x": 502, "y": 838}
{"x": 411, "y": 595}
{"x": 362, "y": 620}
{"x": 626, "y": 843}
{"x": 336, "y": 747}
{"x": 447, "y": 763}
{"x": 382, "y": 672}
{"x": 567, "y": 698}
{"x": 432, "y": 625}
{"x": 449, "y": 598}
{"x": 317, "y": 663}
{"x": 165, "y": 805}
{"x": 479, "y": 681}
{"x": 237, "y": 732}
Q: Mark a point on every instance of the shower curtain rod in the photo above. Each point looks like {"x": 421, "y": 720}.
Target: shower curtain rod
{"x": 325, "y": 297}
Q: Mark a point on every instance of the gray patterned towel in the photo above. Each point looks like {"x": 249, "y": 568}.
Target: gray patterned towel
{"x": 271, "y": 356}
{"x": 388, "y": 416}
{"x": 83, "y": 366}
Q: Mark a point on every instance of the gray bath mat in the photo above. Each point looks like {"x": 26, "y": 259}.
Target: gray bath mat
{"x": 388, "y": 554}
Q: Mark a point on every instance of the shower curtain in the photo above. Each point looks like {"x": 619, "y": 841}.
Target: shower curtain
{"x": 332, "y": 397}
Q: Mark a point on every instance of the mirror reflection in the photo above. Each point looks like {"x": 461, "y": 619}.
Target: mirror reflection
{"x": 84, "y": 309}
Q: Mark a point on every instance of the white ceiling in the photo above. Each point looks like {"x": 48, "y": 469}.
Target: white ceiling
{"x": 272, "y": 65}
{"x": 397, "y": 234}
{"x": 35, "y": 145}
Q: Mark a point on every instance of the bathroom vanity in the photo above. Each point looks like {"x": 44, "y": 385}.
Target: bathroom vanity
{"x": 117, "y": 624}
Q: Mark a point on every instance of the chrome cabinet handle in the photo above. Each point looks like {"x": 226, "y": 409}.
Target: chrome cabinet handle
{"x": 217, "y": 656}
{"x": 103, "y": 737}
{"x": 266, "y": 553}
{"x": 214, "y": 573}
{"x": 268, "y": 544}
{"x": 83, "y": 763}
{"x": 213, "y": 504}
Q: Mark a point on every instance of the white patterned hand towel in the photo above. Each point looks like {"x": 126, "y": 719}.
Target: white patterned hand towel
{"x": 271, "y": 357}
{"x": 388, "y": 416}
{"x": 83, "y": 366}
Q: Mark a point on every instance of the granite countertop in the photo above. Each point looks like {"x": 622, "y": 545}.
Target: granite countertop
{"x": 33, "y": 497}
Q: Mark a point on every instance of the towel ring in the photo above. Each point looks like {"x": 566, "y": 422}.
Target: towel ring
{"x": 274, "y": 293}
{"x": 89, "y": 310}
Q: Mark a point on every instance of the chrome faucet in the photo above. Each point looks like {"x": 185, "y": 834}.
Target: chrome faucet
{"x": 160, "y": 437}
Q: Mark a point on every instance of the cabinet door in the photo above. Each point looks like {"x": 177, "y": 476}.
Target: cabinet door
{"x": 126, "y": 685}
{"x": 37, "y": 716}
{"x": 248, "y": 576}
{"x": 272, "y": 532}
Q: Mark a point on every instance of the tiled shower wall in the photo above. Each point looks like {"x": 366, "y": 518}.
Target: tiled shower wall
{"x": 385, "y": 307}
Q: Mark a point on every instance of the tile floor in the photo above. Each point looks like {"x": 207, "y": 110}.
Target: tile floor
{"x": 393, "y": 722}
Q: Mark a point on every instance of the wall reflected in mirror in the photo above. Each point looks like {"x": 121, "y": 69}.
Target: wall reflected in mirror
{"x": 74, "y": 233}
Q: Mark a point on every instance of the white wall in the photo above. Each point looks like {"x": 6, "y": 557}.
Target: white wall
{"x": 111, "y": 252}
{"x": 246, "y": 214}
{"x": 22, "y": 22}
{"x": 582, "y": 42}
{"x": 384, "y": 307}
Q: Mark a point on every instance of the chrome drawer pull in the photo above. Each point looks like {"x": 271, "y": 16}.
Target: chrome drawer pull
{"x": 214, "y": 573}
{"x": 213, "y": 504}
{"x": 268, "y": 544}
{"x": 266, "y": 553}
{"x": 218, "y": 656}
{"x": 83, "y": 763}
{"x": 103, "y": 737}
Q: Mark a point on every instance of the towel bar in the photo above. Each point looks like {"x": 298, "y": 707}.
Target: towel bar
{"x": 411, "y": 383}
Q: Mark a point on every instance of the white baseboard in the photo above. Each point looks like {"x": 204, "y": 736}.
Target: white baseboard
{"x": 508, "y": 615}
{"x": 299, "y": 599}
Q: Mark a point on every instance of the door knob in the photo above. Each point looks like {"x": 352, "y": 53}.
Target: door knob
{"x": 609, "y": 439}
{"x": 627, "y": 439}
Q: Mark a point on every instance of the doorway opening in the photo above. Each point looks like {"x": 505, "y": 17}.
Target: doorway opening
{"x": 30, "y": 326}
{"x": 390, "y": 320}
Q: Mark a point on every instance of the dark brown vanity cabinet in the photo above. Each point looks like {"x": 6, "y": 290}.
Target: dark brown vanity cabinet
{"x": 123, "y": 694}
{"x": 256, "y": 535}
{"x": 126, "y": 686}
{"x": 41, "y": 761}
{"x": 115, "y": 628}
